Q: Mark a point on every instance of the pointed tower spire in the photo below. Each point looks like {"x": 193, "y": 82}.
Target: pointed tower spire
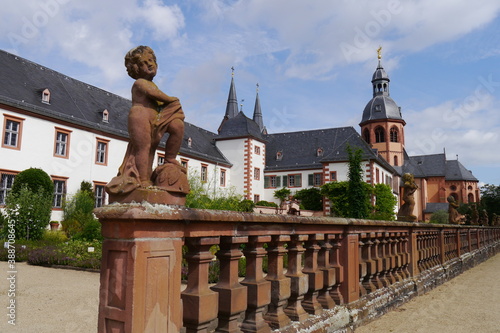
{"x": 257, "y": 112}
{"x": 232, "y": 101}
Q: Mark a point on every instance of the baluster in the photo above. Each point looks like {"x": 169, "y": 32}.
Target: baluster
{"x": 199, "y": 302}
{"x": 394, "y": 242}
{"x": 377, "y": 280}
{"x": 280, "y": 284}
{"x": 371, "y": 266}
{"x": 362, "y": 265}
{"x": 232, "y": 295}
{"x": 324, "y": 266}
{"x": 259, "y": 290}
{"x": 339, "y": 270}
{"x": 298, "y": 280}
{"x": 387, "y": 260}
{"x": 310, "y": 303}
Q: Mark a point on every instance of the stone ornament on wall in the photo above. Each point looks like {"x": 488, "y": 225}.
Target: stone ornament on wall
{"x": 405, "y": 212}
{"x": 152, "y": 115}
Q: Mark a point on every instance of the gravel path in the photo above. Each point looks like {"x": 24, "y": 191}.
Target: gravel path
{"x": 50, "y": 300}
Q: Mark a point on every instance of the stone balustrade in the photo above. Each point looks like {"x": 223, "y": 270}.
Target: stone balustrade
{"x": 320, "y": 272}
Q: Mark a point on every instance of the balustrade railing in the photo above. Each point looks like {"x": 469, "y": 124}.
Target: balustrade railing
{"x": 293, "y": 267}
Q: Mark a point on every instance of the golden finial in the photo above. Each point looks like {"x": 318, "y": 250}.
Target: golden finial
{"x": 232, "y": 71}
{"x": 379, "y": 52}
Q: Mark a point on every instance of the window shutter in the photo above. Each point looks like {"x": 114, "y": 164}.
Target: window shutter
{"x": 285, "y": 182}
{"x": 266, "y": 181}
{"x": 310, "y": 179}
{"x": 278, "y": 181}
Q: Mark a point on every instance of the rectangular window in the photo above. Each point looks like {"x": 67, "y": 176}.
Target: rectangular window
{"x": 161, "y": 159}
{"x": 184, "y": 163}
{"x": 257, "y": 150}
{"x": 256, "y": 173}
{"x": 222, "y": 177}
{"x": 6, "y": 181}
{"x": 295, "y": 180}
{"x": 12, "y": 130}
{"x": 61, "y": 148}
{"x": 256, "y": 198}
{"x": 272, "y": 181}
{"x": 204, "y": 171}
{"x": 315, "y": 179}
{"x": 333, "y": 176}
{"x": 59, "y": 192}
{"x": 99, "y": 194}
{"x": 102, "y": 152}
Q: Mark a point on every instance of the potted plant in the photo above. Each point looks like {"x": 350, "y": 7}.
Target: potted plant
{"x": 54, "y": 225}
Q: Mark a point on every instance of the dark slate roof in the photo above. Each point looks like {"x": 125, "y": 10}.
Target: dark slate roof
{"x": 435, "y": 165}
{"x": 380, "y": 73}
{"x": 299, "y": 149}
{"x": 381, "y": 107}
{"x": 239, "y": 126}
{"x": 432, "y": 207}
{"x": 456, "y": 171}
{"x": 81, "y": 104}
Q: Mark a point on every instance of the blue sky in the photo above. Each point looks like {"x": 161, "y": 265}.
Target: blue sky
{"x": 313, "y": 60}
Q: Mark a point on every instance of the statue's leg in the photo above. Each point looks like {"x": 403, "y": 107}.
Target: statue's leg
{"x": 176, "y": 133}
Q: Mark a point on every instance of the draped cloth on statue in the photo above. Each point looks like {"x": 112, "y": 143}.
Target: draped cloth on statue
{"x": 128, "y": 178}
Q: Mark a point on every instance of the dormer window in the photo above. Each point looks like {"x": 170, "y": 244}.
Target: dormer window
{"x": 46, "y": 96}
{"x": 279, "y": 156}
{"x": 378, "y": 107}
{"x": 105, "y": 116}
{"x": 190, "y": 142}
{"x": 319, "y": 152}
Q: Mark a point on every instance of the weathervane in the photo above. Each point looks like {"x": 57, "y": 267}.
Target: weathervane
{"x": 232, "y": 71}
{"x": 257, "y": 88}
{"x": 379, "y": 52}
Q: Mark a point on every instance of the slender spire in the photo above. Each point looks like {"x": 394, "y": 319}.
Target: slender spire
{"x": 257, "y": 112}
{"x": 232, "y": 100}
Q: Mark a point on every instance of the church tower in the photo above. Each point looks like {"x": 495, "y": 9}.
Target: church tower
{"x": 382, "y": 125}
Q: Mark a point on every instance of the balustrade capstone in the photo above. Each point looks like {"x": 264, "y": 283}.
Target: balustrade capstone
{"x": 313, "y": 264}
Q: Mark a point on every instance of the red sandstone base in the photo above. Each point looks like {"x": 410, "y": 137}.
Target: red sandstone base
{"x": 152, "y": 195}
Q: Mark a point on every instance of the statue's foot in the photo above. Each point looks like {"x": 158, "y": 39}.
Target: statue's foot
{"x": 146, "y": 183}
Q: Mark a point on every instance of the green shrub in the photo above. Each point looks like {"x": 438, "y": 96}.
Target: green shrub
{"x": 266, "y": 204}
{"x": 33, "y": 179}
{"x": 439, "y": 217}
{"x": 54, "y": 237}
{"x": 47, "y": 256}
{"x": 79, "y": 221}
{"x": 27, "y": 212}
{"x": 310, "y": 199}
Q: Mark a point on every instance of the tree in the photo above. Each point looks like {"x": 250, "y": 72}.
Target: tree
{"x": 385, "y": 202}
{"x": 310, "y": 198}
{"x": 29, "y": 205}
{"x": 490, "y": 199}
{"x": 78, "y": 220}
{"x": 282, "y": 194}
{"x": 336, "y": 192}
{"x": 358, "y": 193}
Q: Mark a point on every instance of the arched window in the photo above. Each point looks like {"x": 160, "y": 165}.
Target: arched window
{"x": 366, "y": 135}
{"x": 470, "y": 197}
{"x": 395, "y": 160}
{"x": 394, "y": 134}
{"x": 379, "y": 87}
{"x": 379, "y": 134}
{"x": 385, "y": 87}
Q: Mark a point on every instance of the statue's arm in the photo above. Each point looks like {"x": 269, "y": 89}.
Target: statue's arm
{"x": 149, "y": 89}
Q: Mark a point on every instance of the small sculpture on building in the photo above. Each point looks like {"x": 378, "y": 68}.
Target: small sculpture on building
{"x": 409, "y": 188}
{"x": 483, "y": 219}
{"x": 494, "y": 219}
{"x": 453, "y": 216}
{"x": 153, "y": 113}
{"x": 474, "y": 217}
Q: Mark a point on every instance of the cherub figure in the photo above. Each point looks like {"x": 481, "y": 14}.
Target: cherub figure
{"x": 153, "y": 113}
{"x": 405, "y": 212}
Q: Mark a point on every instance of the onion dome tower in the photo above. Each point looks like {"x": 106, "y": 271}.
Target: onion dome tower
{"x": 382, "y": 125}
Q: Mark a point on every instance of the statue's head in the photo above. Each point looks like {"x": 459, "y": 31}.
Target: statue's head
{"x": 132, "y": 59}
{"x": 451, "y": 199}
{"x": 408, "y": 177}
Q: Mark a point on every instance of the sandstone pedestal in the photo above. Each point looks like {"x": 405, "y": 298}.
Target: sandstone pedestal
{"x": 141, "y": 271}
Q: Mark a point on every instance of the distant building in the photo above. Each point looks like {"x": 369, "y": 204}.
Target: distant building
{"x": 77, "y": 132}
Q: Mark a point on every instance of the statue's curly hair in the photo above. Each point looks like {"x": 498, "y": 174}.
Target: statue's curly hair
{"x": 133, "y": 55}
